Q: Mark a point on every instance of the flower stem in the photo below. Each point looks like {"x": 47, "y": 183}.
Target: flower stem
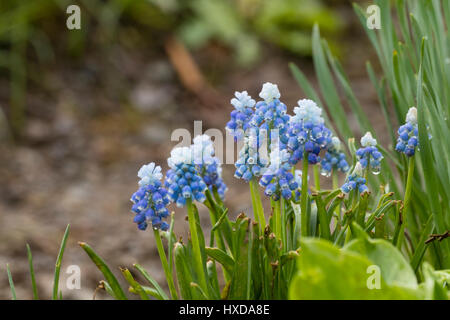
{"x": 258, "y": 210}
{"x": 277, "y": 218}
{"x": 316, "y": 178}
{"x": 304, "y": 196}
{"x": 406, "y": 201}
{"x": 198, "y": 260}
{"x": 163, "y": 258}
{"x": 335, "y": 179}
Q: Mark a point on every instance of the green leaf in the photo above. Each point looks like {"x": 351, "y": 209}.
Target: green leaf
{"x": 58, "y": 263}
{"x": 109, "y": 276}
{"x": 326, "y": 272}
{"x": 33, "y": 280}
{"x": 137, "y": 288}
{"x": 395, "y": 270}
{"x": 433, "y": 286}
{"x": 150, "y": 279}
{"x": 11, "y": 283}
{"x": 222, "y": 257}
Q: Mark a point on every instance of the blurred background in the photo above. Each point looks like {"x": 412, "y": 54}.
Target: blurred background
{"x": 82, "y": 110}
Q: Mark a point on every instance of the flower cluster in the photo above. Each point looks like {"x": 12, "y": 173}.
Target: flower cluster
{"x": 249, "y": 163}
{"x": 151, "y": 199}
{"x": 355, "y": 181}
{"x": 182, "y": 180}
{"x": 369, "y": 155}
{"x": 334, "y": 158}
{"x": 241, "y": 115}
{"x": 408, "y": 134}
{"x": 277, "y": 180}
{"x": 207, "y": 164}
{"x": 306, "y": 132}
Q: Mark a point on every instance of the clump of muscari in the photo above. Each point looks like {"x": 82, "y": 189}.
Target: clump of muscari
{"x": 241, "y": 115}
{"x": 182, "y": 179}
{"x": 408, "y": 134}
{"x": 208, "y": 165}
{"x": 249, "y": 163}
{"x": 334, "y": 158}
{"x": 271, "y": 112}
{"x": 277, "y": 179}
{"x": 306, "y": 132}
{"x": 355, "y": 181}
{"x": 151, "y": 199}
{"x": 369, "y": 155}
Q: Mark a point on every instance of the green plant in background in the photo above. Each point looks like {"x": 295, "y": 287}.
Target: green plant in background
{"x": 57, "y": 293}
{"x": 241, "y": 24}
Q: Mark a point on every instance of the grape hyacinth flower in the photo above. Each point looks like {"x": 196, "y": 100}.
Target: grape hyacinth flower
{"x": 271, "y": 112}
{"x": 182, "y": 180}
{"x": 151, "y": 199}
{"x": 408, "y": 134}
{"x": 355, "y": 181}
{"x": 277, "y": 180}
{"x": 249, "y": 163}
{"x": 241, "y": 115}
{"x": 369, "y": 155}
{"x": 208, "y": 166}
{"x": 334, "y": 158}
{"x": 307, "y": 132}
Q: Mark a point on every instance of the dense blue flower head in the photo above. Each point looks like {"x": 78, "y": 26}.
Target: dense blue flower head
{"x": 355, "y": 181}
{"x": 334, "y": 158}
{"x": 271, "y": 112}
{"x": 306, "y": 132}
{"x": 408, "y": 134}
{"x": 208, "y": 166}
{"x": 151, "y": 199}
{"x": 250, "y": 162}
{"x": 182, "y": 179}
{"x": 369, "y": 155}
{"x": 241, "y": 115}
{"x": 277, "y": 179}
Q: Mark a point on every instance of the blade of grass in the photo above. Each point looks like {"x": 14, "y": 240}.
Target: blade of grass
{"x": 151, "y": 280}
{"x": 11, "y": 283}
{"x": 33, "y": 280}
{"x": 104, "y": 269}
{"x": 58, "y": 263}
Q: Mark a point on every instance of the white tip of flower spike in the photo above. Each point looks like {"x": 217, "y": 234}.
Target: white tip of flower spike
{"x": 149, "y": 173}
{"x": 368, "y": 141}
{"x": 269, "y": 92}
{"x": 203, "y": 149}
{"x": 242, "y": 101}
{"x": 308, "y": 110}
{"x": 411, "y": 116}
{"x": 180, "y": 155}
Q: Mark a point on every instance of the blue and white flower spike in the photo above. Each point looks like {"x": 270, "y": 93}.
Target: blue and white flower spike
{"x": 151, "y": 199}
{"x": 355, "y": 181}
{"x": 182, "y": 180}
{"x": 369, "y": 155}
{"x": 250, "y": 163}
{"x": 241, "y": 115}
{"x": 408, "y": 134}
{"x": 277, "y": 179}
{"x": 270, "y": 113}
{"x": 307, "y": 132}
{"x": 208, "y": 165}
{"x": 334, "y": 158}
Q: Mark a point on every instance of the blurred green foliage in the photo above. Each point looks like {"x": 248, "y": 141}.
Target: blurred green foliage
{"x": 241, "y": 24}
